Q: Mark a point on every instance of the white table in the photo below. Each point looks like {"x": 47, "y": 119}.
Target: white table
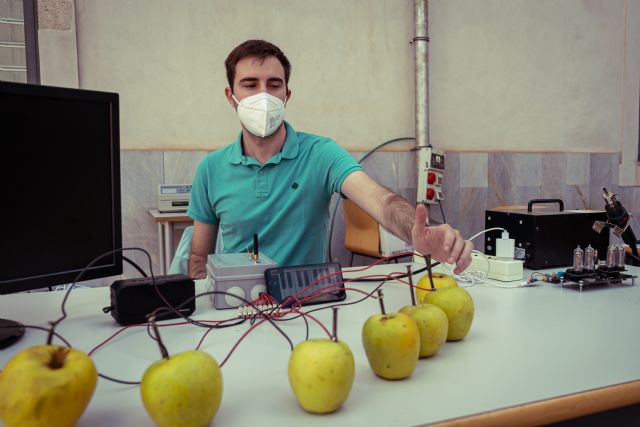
{"x": 166, "y": 222}
{"x": 533, "y": 355}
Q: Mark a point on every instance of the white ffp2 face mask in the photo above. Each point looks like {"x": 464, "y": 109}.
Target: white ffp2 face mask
{"x": 262, "y": 113}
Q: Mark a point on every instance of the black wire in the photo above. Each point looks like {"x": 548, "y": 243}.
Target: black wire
{"x": 247, "y": 302}
{"x": 306, "y": 322}
{"x": 444, "y": 220}
{"x": 400, "y": 276}
{"x": 353, "y": 302}
{"x": 136, "y": 266}
{"x": 335, "y": 208}
{"x": 42, "y": 328}
{"x": 61, "y": 338}
{"x": 115, "y": 380}
{"x": 168, "y": 307}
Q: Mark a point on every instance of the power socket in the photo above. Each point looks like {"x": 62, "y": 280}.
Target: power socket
{"x": 504, "y": 270}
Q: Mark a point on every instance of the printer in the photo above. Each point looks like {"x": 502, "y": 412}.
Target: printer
{"x": 173, "y": 197}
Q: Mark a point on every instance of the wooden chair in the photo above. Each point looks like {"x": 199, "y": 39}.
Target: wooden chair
{"x": 362, "y": 232}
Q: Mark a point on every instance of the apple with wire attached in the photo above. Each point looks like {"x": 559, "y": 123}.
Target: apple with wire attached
{"x": 321, "y": 373}
{"x": 440, "y": 281}
{"x": 458, "y": 305}
{"x": 184, "y": 389}
{"x": 392, "y": 343}
{"x": 46, "y": 385}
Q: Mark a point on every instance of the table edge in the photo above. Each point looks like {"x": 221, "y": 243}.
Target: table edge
{"x": 554, "y": 409}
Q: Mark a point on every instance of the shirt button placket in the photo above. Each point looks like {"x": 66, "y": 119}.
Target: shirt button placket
{"x": 262, "y": 188}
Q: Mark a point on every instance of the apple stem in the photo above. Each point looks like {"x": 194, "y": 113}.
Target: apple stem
{"x": 335, "y": 324}
{"x": 156, "y": 331}
{"x": 410, "y": 276}
{"x": 428, "y": 260}
{"x": 58, "y": 357}
{"x": 381, "y": 301}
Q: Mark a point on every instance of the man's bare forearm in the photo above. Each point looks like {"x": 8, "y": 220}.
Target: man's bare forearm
{"x": 202, "y": 244}
{"x": 197, "y": 266}
{"x": 399, "y": 216}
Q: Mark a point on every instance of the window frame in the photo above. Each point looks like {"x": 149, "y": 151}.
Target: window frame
{"x": 31, "y": 40}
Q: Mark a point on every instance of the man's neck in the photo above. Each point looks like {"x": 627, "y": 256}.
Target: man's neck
{"x": 262, "y": 149}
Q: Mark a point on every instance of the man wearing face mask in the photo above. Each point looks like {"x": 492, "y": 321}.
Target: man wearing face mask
{"x": 278, "y": 182}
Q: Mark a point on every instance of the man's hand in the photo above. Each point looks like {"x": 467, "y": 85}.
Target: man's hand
{"x": 197, "y": 266}
{"x": 444, "y": 243}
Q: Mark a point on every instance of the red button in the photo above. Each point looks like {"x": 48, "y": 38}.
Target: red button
{"x": 430, "y": 193}
{"x": 431, "y": 177}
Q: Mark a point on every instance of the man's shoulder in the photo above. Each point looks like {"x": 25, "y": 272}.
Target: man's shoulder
{"x": 313, "y": 143}
{"x": 218, "y": 155}
{"x": 306, "y": 137}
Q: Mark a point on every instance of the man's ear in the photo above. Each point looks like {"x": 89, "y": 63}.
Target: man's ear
{"x": 228, "y": 93}
{"x": 288, "y": 95}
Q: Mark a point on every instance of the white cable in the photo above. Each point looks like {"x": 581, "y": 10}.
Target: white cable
{"x": 478, "y": 277}
{"x": 484, "y": 231}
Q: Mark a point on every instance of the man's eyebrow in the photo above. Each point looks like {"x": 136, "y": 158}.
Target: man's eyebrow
{"x": 248, "y": 79}
{"x": 275, "y": 80}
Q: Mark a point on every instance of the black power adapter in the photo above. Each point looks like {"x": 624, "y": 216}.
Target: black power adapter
{"x": 132, "y": 300}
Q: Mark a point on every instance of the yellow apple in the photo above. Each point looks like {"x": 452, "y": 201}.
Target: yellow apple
{"x": 458, "y": 305}
{"x": 184, "y": 389}
{"x": 46, "y": 385}
{"x": 321, "y": 373}
{"x": 433, "y": 325}
{"x": 392, "y": 344}
{"x": 440, "y": 281}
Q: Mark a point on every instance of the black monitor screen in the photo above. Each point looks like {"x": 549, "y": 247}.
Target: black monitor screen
{"x": 60, "y": 185}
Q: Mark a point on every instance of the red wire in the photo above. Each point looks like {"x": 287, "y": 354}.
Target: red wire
{"x": 96, "y": 348}
{"x": 242, "y": 338}
{"x": 279, "y": 313}
{"x": 209, "y": 330}
{"x": 319, "y": 292}
{"x": 294, "y": 296}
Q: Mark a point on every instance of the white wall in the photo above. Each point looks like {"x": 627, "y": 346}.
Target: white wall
{"x": 541, "y": 75}
{"x": 512, "y": 75}
{"x": 351, "y": 62}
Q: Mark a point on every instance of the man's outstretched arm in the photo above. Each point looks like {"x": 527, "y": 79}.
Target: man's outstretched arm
{"x": 397, "y": 215}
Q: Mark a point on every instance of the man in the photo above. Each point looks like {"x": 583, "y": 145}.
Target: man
{"x": 277, "y": 182}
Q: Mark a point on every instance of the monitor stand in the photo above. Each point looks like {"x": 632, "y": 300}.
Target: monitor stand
{"x": 10, "y": 332}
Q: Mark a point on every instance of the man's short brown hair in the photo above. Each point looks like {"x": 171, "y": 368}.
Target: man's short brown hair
{"x": 260, "y": 49}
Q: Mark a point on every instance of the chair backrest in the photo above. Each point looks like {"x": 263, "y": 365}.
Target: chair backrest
{"x": 362, "y": 232}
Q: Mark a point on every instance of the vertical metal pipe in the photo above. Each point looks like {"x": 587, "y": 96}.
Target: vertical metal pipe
{"x": 421, "y": 60}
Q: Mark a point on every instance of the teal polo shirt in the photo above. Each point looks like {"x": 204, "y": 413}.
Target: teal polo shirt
{"x": 285, "y": 201}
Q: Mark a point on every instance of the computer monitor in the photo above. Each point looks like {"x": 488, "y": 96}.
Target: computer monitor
{"x": 60, "y": 185}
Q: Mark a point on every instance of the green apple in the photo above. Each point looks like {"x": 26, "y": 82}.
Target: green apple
{"x": 46, "y": 385}
{"x": 440, "y": 281}
{"x": 458, "y": 305}
{"x": 433, "y": 325}
{"x": 392, "y": 344}
{"x": 321, "y": 373}
{"x": 184, "y": 389}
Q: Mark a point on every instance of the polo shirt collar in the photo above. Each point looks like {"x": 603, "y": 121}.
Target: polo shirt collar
{"x": 289, "y": 150}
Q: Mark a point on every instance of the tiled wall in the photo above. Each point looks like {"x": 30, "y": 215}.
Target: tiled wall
{"x": 473, "y": 183}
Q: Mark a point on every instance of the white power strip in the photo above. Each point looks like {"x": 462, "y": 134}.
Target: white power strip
{"x": 498, "y": 268}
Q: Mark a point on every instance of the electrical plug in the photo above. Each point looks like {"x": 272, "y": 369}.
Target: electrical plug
{"x": 505, "y": 247}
